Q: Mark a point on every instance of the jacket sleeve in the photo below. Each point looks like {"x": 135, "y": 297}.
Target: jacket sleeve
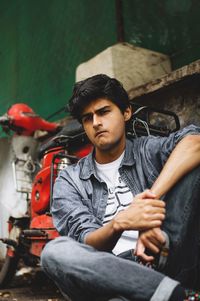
{"x": 71, "y": 209}
{"x": 158, "y": 149}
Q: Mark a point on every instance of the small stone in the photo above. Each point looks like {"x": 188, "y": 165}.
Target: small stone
{"x": 6, "y": 294}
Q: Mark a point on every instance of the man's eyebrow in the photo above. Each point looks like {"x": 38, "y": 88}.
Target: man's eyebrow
{"x": 86, "y": 114}
{"x": 102, "y": 108}
{"x": 96, "y": 111}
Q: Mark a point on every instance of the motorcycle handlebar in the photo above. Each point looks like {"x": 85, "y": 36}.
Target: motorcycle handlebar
{"x": 4, "y": 120}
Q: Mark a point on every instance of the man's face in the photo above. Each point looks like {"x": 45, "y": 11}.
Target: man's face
{"x": 104, "y": 125}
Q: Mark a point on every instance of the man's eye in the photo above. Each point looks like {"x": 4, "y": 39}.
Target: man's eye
{"x": 86, "y": 118}
{"x": 103, "y": 112}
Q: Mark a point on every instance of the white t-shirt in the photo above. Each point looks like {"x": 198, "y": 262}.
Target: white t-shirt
{"x": 119, "y": 198}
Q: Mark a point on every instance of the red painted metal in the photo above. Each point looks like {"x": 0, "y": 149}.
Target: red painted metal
{"x": 23, "y": 117}
{"x": 42, "y": 222}
{"x": 40, "y": 195}
{"x": 47, "y": 159}
{"x": 10, "y": 252}
{"x": 83, "y": 151}
{"x": 23, "y": 120}
{"x": 41, "y": 191}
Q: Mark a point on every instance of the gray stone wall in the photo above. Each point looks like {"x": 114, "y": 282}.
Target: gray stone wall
{"x": 178, "y": 92}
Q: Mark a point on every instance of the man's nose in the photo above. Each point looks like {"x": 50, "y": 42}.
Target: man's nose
{"x": 96, "y": 120}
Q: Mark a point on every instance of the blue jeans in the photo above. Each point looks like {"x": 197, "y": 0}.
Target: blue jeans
{"x": 83, "y": 273}
{"x": 182, "y": 224}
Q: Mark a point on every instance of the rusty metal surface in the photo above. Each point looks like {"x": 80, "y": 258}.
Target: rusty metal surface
{"x": 178, "y": 91}
{"x": 174, "y": 77}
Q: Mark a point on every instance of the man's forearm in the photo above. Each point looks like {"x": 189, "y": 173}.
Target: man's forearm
{"x": 104, "y": 238}
{"x": 184, "y": 158}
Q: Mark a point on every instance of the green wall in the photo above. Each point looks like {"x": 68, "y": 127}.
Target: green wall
{"x": 168, "y": 26}
{"x": 43, "y": 41}
{"x": 41, "y": 44}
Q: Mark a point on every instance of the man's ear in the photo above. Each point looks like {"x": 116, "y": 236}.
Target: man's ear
{"x": 128, "y": 113}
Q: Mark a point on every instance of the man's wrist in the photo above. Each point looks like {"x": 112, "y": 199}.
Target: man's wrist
{"x": 117, "y": 225}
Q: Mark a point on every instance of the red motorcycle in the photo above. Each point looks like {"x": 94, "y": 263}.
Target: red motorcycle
{"x": 25, "y": 216}
{"x": 28, "y": 225}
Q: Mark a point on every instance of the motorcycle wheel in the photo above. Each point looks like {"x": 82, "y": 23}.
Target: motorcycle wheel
{"x": 8, "y": 258}
{"x": 8, "y": 267}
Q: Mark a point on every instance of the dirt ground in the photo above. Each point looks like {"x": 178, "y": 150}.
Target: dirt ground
{"x": 31, "y": 284}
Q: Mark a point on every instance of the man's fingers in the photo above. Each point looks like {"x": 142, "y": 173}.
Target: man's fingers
{"x": 154, "y": 212}
{"x": 149, "y": 202}
{"x": 152, "y": 247}
{"x": 159, "y": 216}
{"x": 155, "y": 203}
{"x": 159, "y": 236}
{"x": 140, "y": 248}
{"x": 140, "y": 252}
{"x": 152, "y": 239}
{"x": 154, "y": 224}
{"x": 146, "y": 258}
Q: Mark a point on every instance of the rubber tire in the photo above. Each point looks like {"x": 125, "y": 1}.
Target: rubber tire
{"x": 8, "y": 270}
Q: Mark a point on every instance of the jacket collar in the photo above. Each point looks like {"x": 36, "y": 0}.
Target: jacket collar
{"x": 87, "y": 166}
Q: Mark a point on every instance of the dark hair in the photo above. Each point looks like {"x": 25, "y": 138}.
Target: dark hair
{"x": 92, "y": 88}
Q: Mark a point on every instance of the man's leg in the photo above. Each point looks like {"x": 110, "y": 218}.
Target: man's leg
{"x": 182, "y": 224}
{"x": 83, "y": 273}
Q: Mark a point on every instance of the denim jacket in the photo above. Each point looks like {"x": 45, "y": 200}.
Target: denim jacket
{"x": 80, "y": 197}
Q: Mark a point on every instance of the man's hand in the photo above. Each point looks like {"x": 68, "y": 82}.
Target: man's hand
{"x": 152, "y": 240}
{"x": 145, "y": 212}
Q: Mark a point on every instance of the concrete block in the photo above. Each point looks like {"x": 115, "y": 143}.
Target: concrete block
{"x": 133, "y": 66}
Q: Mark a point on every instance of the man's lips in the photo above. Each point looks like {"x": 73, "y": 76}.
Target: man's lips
{"x": 99, "y": 133}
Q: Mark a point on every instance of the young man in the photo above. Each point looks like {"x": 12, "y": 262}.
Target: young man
{"x": 102, "y": 200}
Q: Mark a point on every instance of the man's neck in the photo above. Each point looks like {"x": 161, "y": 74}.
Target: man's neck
{"x": 103, "y": 157}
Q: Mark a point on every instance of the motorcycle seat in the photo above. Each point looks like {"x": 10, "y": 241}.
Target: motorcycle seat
{"x": 70, "y": 131}
{"x": 72, "y": 128}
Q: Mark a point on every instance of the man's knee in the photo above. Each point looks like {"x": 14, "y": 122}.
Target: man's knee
{"x": 47, "y": 253}
{"x": 54, "y": 251}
